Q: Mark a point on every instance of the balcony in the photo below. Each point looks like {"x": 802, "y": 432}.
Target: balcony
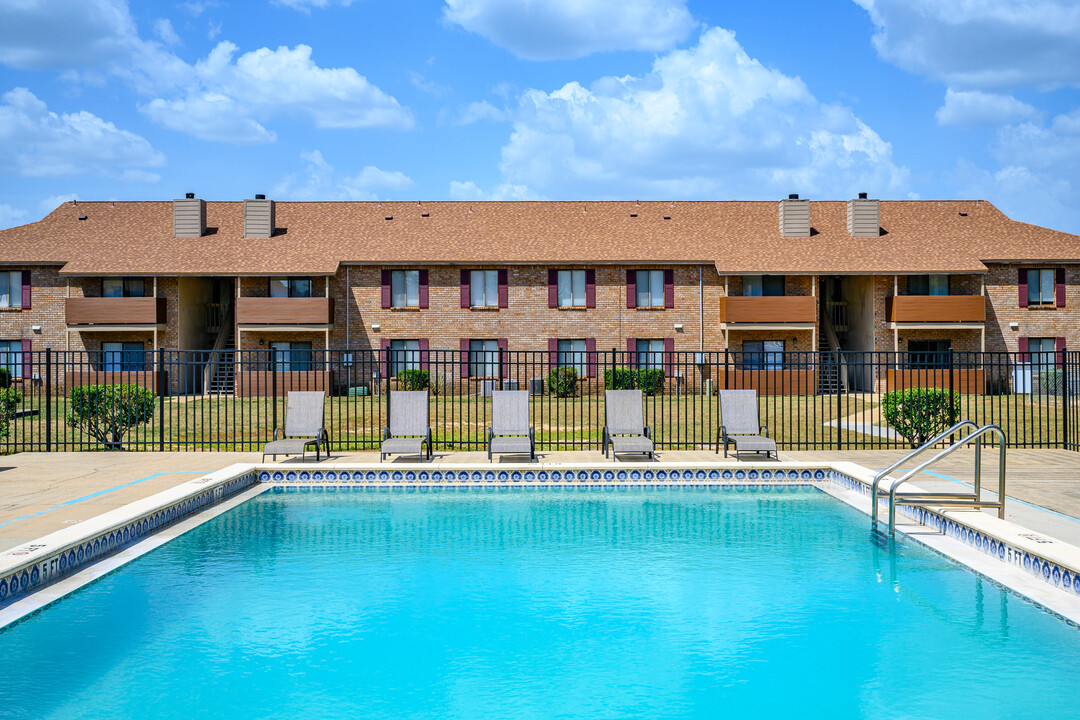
{"x": 936, "y": 309}
{"x": 285, "y": 311}
{"x": 114, "y": 313}
{"x": 774, "y": 310}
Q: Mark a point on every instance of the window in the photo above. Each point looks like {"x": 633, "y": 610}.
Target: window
{"x": 763, "y": 354}
{"x": 405, "y": 288}
{"x": 11, "y": 356}
{"x": 291, "y": 355}
{"x": 404, "y": 355}
{"x": 650, "y": 288}
{"x": 297, "y": 287}
{"x": 928, "y": 285}
{"x": 1041, "y": 287}
{"x": 1043, "y": 353}
{"x": 571, "y": 288}
{"x": 572, "y": 354}
{"x": 650, "y": 354}
{"x": 11, "y": 289}
{"x": 483, "y": 358}
{"x": 123, "y": 356}
{"x": 123, "y": 287}
{"x": 484, "y": 288}
{"x": 929, "y": 353}
{"x": 758, "y": 285}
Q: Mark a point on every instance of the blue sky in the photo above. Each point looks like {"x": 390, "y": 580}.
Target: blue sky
{"x": 523, "y": 99}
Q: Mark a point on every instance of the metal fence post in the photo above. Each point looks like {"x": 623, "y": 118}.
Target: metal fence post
{"x": 952, "y": 392}
{"x": 839, "y": 399}
{"x": 48, "y": 399}
{"x": 386, "y": 377}
{"x": 161, "y": 398}
{"x": 1065, "y": 398}
{"x": 273, "y": 385}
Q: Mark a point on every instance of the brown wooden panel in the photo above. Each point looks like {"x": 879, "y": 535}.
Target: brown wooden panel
{"x": 115, "y": 311}
{"x": 779, "y": 309}
{"x": 142, "y": 378}
{"x": 966, "y": 381}
{"x": 284, "y": 311}
{"x": 796, "y": 381}
{"x": 259, "y": 383}
{"x": 936, "y": 308}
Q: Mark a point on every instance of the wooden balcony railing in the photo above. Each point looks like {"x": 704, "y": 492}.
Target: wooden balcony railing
{"x": 115, "y": 311}
{"x": 936, "y": 308}
{"x": 284, "y": 311}
{"x": 778, "y": 309}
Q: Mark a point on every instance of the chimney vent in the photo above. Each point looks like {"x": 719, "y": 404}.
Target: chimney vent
{"x": 260, "y": 196}
{"x": 863, "y": 217}
{"x": 795, "y": 217}
{"x": 259, "y": 217}
{"x": 793, "y": 196}
{"x": 189, "y": 217}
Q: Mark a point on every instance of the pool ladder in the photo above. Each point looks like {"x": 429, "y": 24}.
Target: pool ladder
{"x": 968, "y": 500}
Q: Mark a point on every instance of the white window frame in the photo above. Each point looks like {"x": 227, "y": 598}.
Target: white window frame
{"x": 11, "y": 357}
{"x": 1042, "y": 353}
{"x": 11, "y": 289}
{"x": 649, "y": 354}
{"x": 484, "y": 288}
{"x": 573, "y": 353}
{"x": 650, "y": 288}
{"x": 483, "y": 358}
{"x": 571, "y": 288}
{"x": 404, "y": 288}
{"x": 404, "y": 355}
{"x": 1042, "y": 286}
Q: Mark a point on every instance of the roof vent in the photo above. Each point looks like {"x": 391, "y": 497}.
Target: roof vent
{"x": 863, "y": 217}
{"x": 795, "y": 217}
{"x": 189, "y": 217}
{"x": 260, "y": 196}
{"x": 425, "y": 214}
{"x": 963, "y": 214}
{"x": 667, "y": 217}
{"x": 633, "y": 214}
{"x": 82, "y": 217}
{"x": 389, "y": 217}
{"x": 259, "y": 220}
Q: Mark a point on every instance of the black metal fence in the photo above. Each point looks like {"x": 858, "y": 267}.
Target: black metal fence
{"x": 234, "y": 400}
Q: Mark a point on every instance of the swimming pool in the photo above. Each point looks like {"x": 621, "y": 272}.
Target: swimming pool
{"x": 540, "y": 602}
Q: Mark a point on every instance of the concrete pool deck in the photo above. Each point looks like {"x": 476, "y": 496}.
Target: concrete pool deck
{"x": 41, "y": 493}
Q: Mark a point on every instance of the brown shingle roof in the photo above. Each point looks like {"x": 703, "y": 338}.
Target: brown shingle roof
{"x": 737, "y": 236}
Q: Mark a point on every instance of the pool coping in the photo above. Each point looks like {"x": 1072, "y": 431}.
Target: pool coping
{"x": 1042, "y": 569}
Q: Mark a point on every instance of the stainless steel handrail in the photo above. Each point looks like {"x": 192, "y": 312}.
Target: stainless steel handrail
{"x": 955, "y": 499}
{"x": 914, "y": 453}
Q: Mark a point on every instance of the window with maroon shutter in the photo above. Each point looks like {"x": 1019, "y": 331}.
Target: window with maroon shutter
{"x": 423, "y": 288}
{"x": 631, "y": 288}
{"x": 669, "y": 357}
{"x": 386, "y": 280}
{"x": 1059, "y": 352}
{"x": 1022, "y": 350}
{"x": 631, "y": 352}
{"x": 1059, "y": 287}
{"x": 590, "y": 288}
{"x": 553, "y": 288}
{"x": 669, "y": 288}
{"x": 466, "y": 288}
{"x": 27, "y": 360}
{"x": 553, "y": 352}
{"x": 590, "y": 357}
{"x": 464, "y": 358}
{"x": 504, "y": 359}
{"x": 384, "y": 357}
{"x": 26, "y": 290}
{"x": 1022, "y": 287}
{"x": 425, "y": 355}
{"x": 504, "y": 288}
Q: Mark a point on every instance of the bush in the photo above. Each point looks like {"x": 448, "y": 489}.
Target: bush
{"x": 413, "y": 379}
{"x": 106, "y": 412}
{"x": 620, "y": 378}
{"x": 649, "y": 380}
{"x": 919, "y": 414}
{"x": 5, "y": 377}
{"x": 1050, "y": 382}
{"x": 562, "y": 382}
{"x": 9, "y": 404}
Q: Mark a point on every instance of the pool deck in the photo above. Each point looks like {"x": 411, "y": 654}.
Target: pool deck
{"x": 44, "y": 492}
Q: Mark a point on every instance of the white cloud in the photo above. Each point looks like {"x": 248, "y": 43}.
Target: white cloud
{"x": 570, "y": 29}
{"x": 62, "y": 34}
{"x": 11, "y": 216}
{"x": 707, "y": 122}
{"x": 35, "y": 142}
{"x": 164, "y": 30}
{"x": 468, "y": 190}
{"x": 483, "y": 110}
{"x": 305, "y": 6}
{"x": 54, "y": 201}
{"x": 973, "y": 107}
{"x": 427, "y": 86}
{"x": 320, "y": 181}
{"x": 210, "y": 116}
{"x": 981, "y": 43}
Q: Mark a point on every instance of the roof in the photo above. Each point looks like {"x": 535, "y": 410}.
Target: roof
{"x": 738, "y": 237}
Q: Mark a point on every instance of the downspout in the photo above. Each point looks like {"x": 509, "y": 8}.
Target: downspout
{"x": 348, "y": 287}
{"x": 701, "y": 310}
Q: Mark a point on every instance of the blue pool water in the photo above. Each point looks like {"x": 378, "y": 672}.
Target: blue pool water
{"x": 645, "y": 603}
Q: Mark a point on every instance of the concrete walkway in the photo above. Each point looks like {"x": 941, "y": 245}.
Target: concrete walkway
{"x": 41, "y": 493}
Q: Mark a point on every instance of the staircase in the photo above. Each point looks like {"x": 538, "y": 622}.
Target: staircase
{"x": 828, "y": 368}
{"x": 223, "y": 365}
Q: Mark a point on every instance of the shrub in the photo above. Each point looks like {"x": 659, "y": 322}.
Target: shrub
{"x": 9, "y": 403}
{"x": 106, "y": 412}
{"x": 919, "y": 414}
{"x": 413, "y": 379}
{"x": 5, "y": 377}
{"x": 562, "y": 382}
{"x": 620, "y": 378}
{"x": 649, "y": 380}
{"x": 1051, "y": 382}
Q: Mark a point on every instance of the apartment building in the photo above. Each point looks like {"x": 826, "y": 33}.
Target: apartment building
{"x": 119, "y": 279}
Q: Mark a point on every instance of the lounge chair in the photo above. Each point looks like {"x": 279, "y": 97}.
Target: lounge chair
{"x": 303, "y": 427}
{"x": 409, "y": 431}
{"x": 510, "y": 431}
{"x": 739, "y": 424}
{"x": 624, "y": 424}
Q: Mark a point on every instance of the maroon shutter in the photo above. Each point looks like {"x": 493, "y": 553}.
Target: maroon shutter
{"x": 466, "y": 288}
{"x": 669, "y": 288}
{"x": 503, "y": 359}
{"x": 423, "y": 288}
{"x": 631, "y": 288}
{"x": 1021, "y": 286}
{"x": 590, "y": 357}
{"x": 1059, "y": 356}
{"x": 386, "y": 288}
{"x": 504, "y": 288}
{"x": 26, "y": 289}
{"x": 631, "y": 352}
{"x": 590, "y": 288}
{"x": 553, "y": 288}
{"x": 27, "y": 360}
{"x": 1022, "y": 350}
{"x": 553, "y": 352}
{"x": 1059, "y": 288}
{"x": 464, "y": 357}
{"x": 384, "y": 356}
{"x": 425, "y": 355}
{"x": 669, "y": 357}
